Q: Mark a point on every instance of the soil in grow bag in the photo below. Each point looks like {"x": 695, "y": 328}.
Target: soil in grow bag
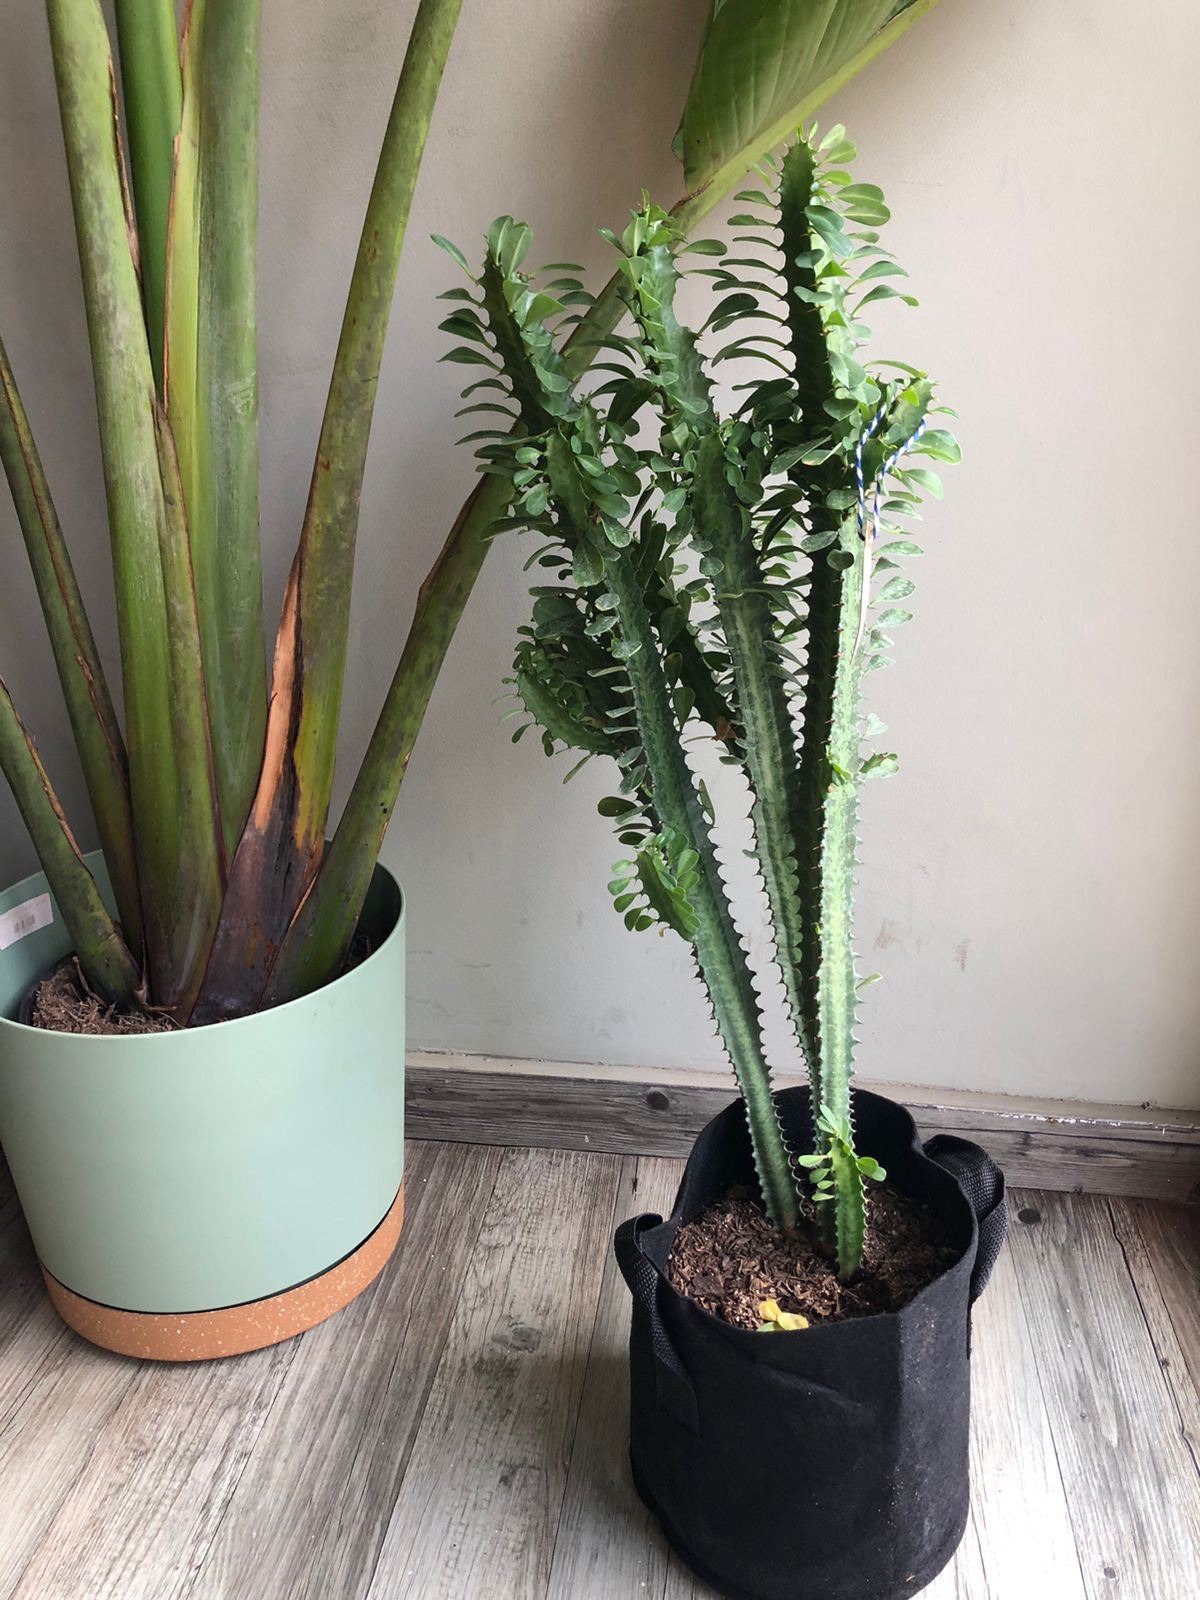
{"x": 731, "y": 1259}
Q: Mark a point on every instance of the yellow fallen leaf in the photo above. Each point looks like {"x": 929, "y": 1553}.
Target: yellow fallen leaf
{"x": 791, "y": 1320}
{"x": 776, "y": 1321}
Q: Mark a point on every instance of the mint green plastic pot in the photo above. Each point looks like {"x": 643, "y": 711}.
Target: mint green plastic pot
{"x": 229, "y": 1168}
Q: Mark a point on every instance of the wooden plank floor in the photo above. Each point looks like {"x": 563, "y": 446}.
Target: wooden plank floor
{"x": 459, "y": 1432}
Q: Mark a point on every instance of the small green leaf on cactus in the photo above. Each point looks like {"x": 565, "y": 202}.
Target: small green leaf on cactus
{"x": 897, "y": 588}
{"x": 924, "y": 479}
{"x": 881, "y": 765}
{"x": 901, "y": 547}
{"x": 939, "y": 444}
{"x": 453, "y": 252}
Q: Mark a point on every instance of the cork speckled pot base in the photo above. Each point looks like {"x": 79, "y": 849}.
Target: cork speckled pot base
{"x": 208, "y": 1335}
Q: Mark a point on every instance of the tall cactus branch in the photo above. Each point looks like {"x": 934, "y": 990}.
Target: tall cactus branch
{"x": 839, "y": 399}
{"x": 721, "y": 530}
{"x": 829, "y": 746}
{"x": 814, "y": 388}
{"x": 811, "y": 905}
{"x": 719, "y": 953}
{"x": 772, "y": 764}
{"x": 834, "y": 686}
{"x": 584, "y": 500}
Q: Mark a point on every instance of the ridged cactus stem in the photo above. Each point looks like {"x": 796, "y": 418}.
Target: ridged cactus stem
{"x": 824, "y": 609}
{"x": 836, "y": 981}
{"x": 749, "y": 628}
{"x": 719, "y": 953}
{"x": 830, "y": 762}
{"x": 833, "y": 675}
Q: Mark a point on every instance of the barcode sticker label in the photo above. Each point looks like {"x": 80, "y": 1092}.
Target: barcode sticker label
{"x": 25, "y": 919}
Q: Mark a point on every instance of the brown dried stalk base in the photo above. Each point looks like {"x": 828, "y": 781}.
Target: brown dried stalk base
{"x": 731, "y": 1258}
{"x": 64, "y": 1003}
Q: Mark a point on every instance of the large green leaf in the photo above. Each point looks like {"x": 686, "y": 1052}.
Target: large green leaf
{"x": 764, "y": 67}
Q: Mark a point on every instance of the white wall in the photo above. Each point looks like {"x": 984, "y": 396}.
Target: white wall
{"x": 1029, "y": 882}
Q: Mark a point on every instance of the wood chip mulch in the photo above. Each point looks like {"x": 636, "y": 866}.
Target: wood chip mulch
{"x": 730, "y": 1259}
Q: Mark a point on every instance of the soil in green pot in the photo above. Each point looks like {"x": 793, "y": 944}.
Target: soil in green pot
{"x": 731, "y": 1261}
{"x": 64, "y": 1003}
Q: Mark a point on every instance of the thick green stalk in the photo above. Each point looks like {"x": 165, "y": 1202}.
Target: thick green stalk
{"x": 719, "y": 953}
{"x": 125, "y": 403}
{"x": 325, "y": 560}
{"x": 150, "y": 89}
{"x": 318, "y": 939}
{"x": 85, "y": 689}
{"x": 211, "y": 379}
{"x": 199, "y": 878}
{"x": 103, "y": 954}
{"x": 328, "y": 917}
{"x": 284, "y": 837}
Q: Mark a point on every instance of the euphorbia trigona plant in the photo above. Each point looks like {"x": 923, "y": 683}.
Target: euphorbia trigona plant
{"x": 212, "y": 799}
{"x": 734, "y": 577}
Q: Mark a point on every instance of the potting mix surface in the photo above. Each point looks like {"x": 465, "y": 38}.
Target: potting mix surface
{"x": 64, "y": 1003}
{"x": 731, "y": 1260}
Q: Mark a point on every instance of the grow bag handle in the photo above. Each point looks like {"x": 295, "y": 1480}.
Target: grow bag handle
{"x": 673, "y": 1386}
{"x": 982, "y": 1182}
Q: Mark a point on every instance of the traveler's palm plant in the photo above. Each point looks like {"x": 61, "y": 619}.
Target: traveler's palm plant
{"x": 724, "y": 577}
{"x": 211, "y": 797}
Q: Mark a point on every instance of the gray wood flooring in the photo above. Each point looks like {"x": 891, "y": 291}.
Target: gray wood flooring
{"x": 459, "y": 1432}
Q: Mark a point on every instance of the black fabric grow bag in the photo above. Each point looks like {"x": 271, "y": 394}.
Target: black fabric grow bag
{"x": 831, "y": 1463}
